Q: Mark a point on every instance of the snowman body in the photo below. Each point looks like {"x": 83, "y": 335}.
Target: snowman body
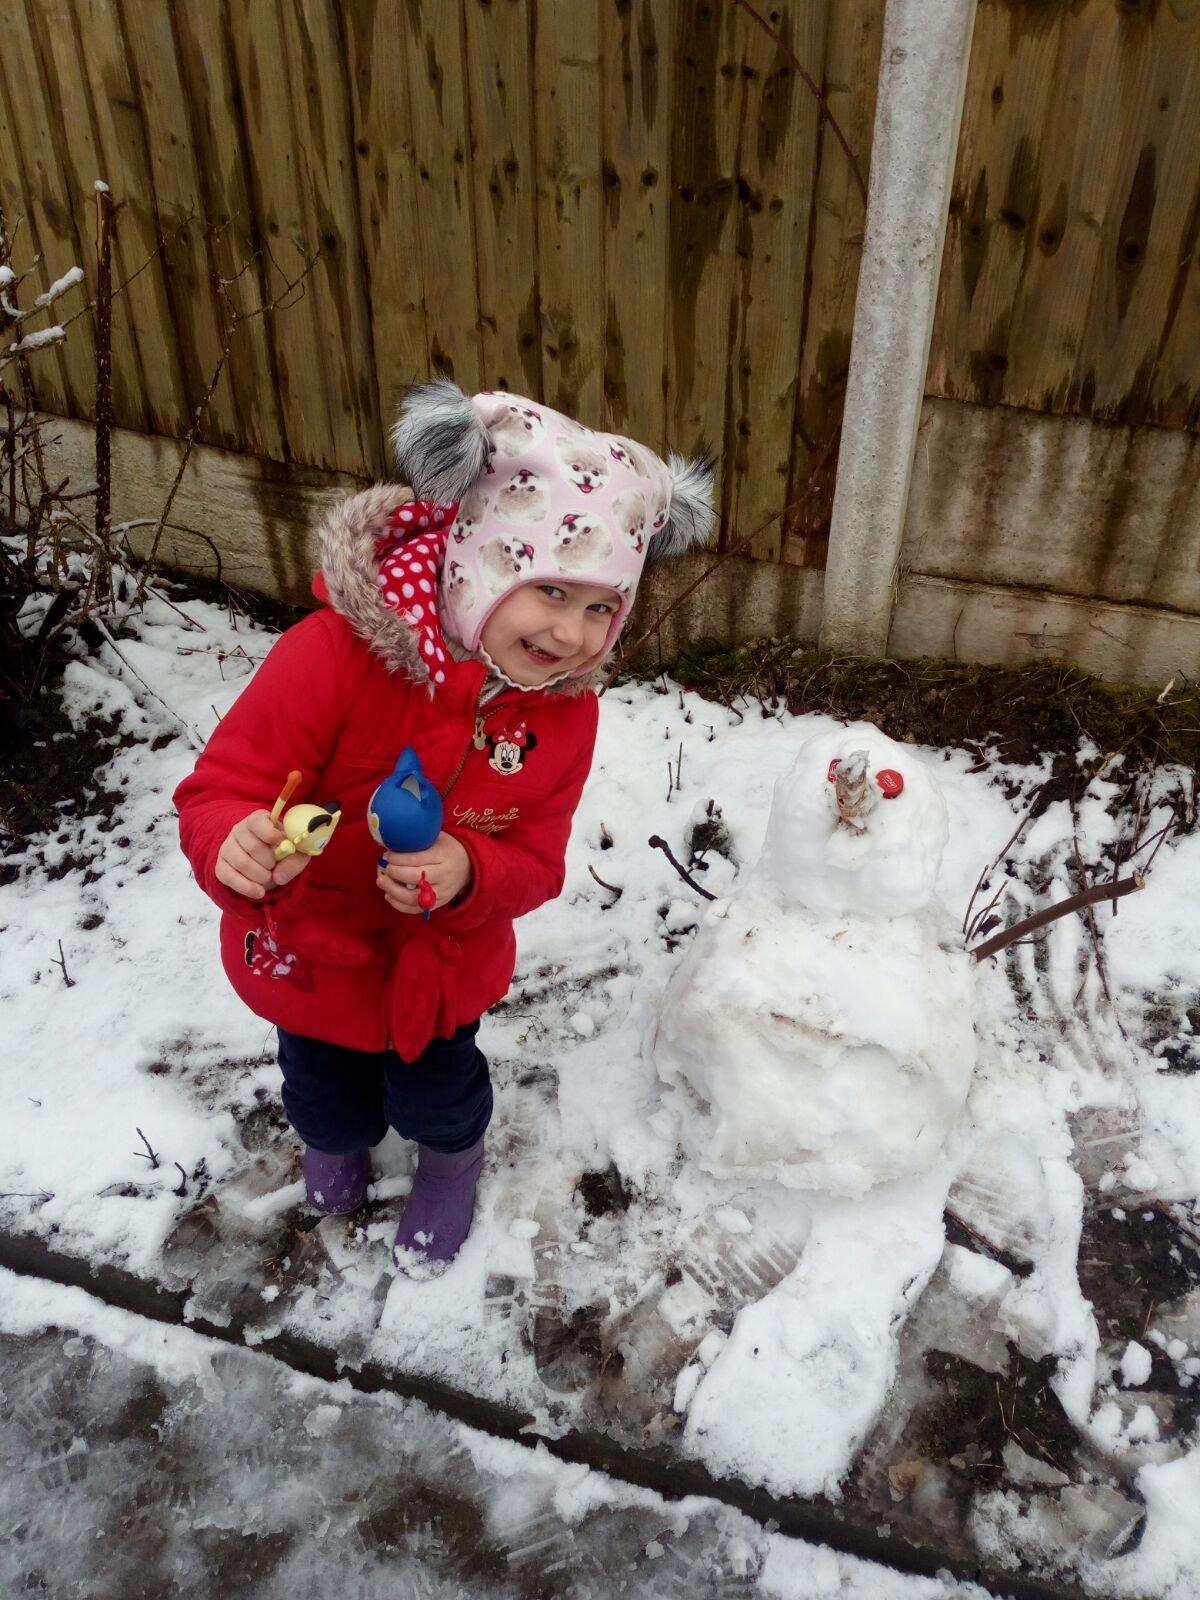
{"x": 819, "y": 1032}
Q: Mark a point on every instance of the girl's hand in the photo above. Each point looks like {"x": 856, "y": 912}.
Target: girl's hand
{"x": 246, "y": 861}
{"x": 447, "y": 869}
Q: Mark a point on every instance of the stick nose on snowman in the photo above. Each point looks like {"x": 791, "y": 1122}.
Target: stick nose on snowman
{"x": 854, "y": 793}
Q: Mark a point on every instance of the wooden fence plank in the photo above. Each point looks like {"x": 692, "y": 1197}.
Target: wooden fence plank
{"x": 66, "y": 378}
{"x": 14, "y": 201}
{"x": 1176, "y": 393}
{"x": 177, "y": 202}
{"x": 445, "y": 229}
{"x": 637, "y": 76}
{"x": 1144, "y": 237}
{"x": 777, "y": 181}
{"x": 377, "y": 78}
{"x": 321, "y": 118}
{"x": 1066, "y": 284}
{"x": 255, "y": 30}
{"x": 121, "y": 147}
{"x": 709, "y": 42}
{"x": 853, "y": 41}
{"x": 235, "y": 248}
{"x": 1081, "y": 146}
{"x": 570, "y": 217}
{"x": 1011, "y": 87}
{"x": 59, "y": 48}
{"x": 1087, "y": 131}
{"x": 499, "y": 76}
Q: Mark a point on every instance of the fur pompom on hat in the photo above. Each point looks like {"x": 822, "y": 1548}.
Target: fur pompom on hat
{"x": 542, "y": 499}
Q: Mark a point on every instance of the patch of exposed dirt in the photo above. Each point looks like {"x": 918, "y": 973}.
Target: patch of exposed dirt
{"x": 1022, "y": 715}
{"x": 48, "y": 772}
{"x": 977, "y": 1413}
{"x": 48, "y": 765}
{"x": 1131, "y": 1262}
{"x": 604, "y": 1193}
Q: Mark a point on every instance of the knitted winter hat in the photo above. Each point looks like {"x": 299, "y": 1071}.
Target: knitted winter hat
{"x": 542, "y": 499}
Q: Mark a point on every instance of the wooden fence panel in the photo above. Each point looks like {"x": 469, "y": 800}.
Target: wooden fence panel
{"x": 849, "y": 82}
{"x": 1072, "y": 238}
{"x": 608, "y": 204}
{"x": 1151, "y": 238}
{"x": 149, "y": 41}
{"x": 995, "y": 199}
{"x": 1062, "y": 208}
{"x": 255, "y": 28}
{"x": 776, "y": 182}
{"x": 637, "y": 76}
{"x": 498, "y": 37}
{"x": 36, "y": 189}
{"x": 121, "y": 146}
{"x": 376, "y": 76}
{"x": 445, "y": 224}
{"x": 214, "y": 105}
{"x": 570, "y": 216}
{"x": 710, "y": 43}
{"x": 56, "y": 38}
{"x": 321, "y": 120}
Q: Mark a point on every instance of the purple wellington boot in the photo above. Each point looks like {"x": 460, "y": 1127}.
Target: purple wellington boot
{"x": 441, "y": 1203}
{"x": 336, "y": 1184}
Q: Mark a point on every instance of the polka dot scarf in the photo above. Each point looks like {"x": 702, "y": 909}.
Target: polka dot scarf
{"x": 410, "y": 565}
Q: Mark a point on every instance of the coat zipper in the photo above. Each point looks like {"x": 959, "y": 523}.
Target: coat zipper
{"x": 478, "y": 742}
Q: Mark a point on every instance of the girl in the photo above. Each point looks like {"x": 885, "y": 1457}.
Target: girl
{"x": 469, "y": 623}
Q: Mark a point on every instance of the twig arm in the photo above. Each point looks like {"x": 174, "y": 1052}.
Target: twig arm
{"x": 1095, "y": 895}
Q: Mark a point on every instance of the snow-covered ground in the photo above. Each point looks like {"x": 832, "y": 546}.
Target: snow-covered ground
{"x": 142, "y": 1460}
{"x": 793, "y": 1339}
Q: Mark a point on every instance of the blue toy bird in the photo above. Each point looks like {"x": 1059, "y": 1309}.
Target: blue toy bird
{"x": 405, "y": 814}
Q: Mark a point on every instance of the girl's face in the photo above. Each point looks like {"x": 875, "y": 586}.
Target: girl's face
{"x": 543, "y": 630}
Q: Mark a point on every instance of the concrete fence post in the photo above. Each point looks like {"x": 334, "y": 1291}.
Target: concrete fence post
{"x": 922, "y": 80}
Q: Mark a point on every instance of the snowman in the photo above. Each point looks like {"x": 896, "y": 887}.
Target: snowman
{"x": 819, "y": 1030}
{"x": 819, "y": 1034}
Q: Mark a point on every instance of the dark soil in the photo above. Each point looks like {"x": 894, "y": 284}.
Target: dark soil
{"x": 1131, "y": 1262}
{"x": 258, "y": 608}
{"x": 978, "y": 1413}
{"x": 48, "y": 765}
{"x": 48, "y": 770}
{"x": 1020, "y": 715}
{"x": 603, "y": 1193}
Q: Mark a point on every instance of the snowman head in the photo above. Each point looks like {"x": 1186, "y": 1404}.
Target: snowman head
{"x": 857, "y": 827}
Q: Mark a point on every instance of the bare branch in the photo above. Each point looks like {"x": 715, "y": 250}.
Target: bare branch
{"x": 659, "y": 843}
{"x": 149, "y": 1153}
{"x": 612, "y": 888}
{"x": 62, "y": 962}
{"x": 1086, "y": 897}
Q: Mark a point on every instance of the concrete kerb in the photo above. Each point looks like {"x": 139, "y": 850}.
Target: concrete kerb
{"x": 817, "y": 1522}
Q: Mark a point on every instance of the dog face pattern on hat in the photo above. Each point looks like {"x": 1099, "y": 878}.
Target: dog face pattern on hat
{"x": 556, "y": 503}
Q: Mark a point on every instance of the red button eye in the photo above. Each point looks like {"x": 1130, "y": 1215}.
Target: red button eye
{"x": 890, "y": 782}
{"x": 833, "y": 766}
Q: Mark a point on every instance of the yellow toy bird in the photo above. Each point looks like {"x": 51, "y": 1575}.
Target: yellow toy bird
{"x": 307, "y": 828}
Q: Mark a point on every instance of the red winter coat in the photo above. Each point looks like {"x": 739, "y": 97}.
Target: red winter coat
{"x": 339, "y": 696}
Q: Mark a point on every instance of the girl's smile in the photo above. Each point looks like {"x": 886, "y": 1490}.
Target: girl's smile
{"x": 543, "y": 631}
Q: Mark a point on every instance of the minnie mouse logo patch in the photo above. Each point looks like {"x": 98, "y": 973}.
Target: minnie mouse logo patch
{"x": 508, "y": 749}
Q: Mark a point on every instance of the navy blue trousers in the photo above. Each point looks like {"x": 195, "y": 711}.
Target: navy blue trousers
{"x": 340, "y": 1100}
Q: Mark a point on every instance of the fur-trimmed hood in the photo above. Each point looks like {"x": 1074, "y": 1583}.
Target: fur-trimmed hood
{"x": 349, "y": 534}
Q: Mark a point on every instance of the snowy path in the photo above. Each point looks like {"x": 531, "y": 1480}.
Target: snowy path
{"x": 137, "y": 1460}
{"x": 609, "y": 1286}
